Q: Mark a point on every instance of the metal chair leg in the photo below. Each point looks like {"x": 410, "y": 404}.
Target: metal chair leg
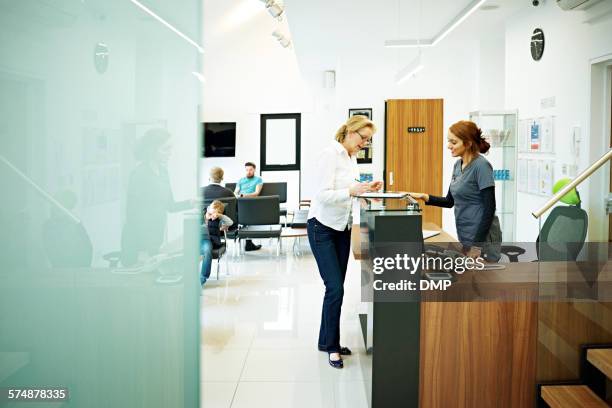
{"x": 218, "y": 265}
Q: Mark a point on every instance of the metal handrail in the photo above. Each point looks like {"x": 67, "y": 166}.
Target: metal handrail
{"x": 581, "y": 177}
{"x": 39, "y": 189}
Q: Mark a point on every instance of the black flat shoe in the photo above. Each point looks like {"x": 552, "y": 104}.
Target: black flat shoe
{"x": 335, "y": 363}
{"x": 344, "y": 351}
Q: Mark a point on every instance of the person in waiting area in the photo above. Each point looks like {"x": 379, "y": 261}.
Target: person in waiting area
{"x": 215, "y": 223}
{"x": 215, "y": 189}
{"x": 471, "y": 192}
{"x": 329, "y": 219}
{"x": 249, "y": 186}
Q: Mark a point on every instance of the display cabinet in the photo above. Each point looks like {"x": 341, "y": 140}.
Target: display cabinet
{"x": 500, "y": 129}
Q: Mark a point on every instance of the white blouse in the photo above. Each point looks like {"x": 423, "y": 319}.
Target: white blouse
{"x": 336, "y": 172}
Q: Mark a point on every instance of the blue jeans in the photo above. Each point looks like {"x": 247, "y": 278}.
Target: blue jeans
{"x": 206, "y": 252}
{"x": 331, "y": 251}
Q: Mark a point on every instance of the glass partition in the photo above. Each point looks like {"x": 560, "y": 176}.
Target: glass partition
{"x": 99, "y": 291}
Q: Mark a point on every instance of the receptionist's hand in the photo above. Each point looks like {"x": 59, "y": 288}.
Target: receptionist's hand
{"x": 419, "y": 196}
{"x": 376, "y": 185}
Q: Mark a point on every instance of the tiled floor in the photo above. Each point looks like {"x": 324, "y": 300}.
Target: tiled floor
{"x": 259, "y": 335}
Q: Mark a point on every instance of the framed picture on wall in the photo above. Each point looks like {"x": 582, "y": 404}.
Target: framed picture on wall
{"x": 365, "y": 154}
{"x": 362, "y": 111}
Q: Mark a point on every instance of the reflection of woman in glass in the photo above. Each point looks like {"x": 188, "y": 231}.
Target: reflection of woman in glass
{"x": 149, "y": 198}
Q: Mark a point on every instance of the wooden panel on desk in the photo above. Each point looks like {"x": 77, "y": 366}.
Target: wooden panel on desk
{"x": 478, "y": 354}
{"x": 415, "y": 158}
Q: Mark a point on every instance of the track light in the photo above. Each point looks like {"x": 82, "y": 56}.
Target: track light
{"x": 274, "y": 9}
{"x": 282, "y": 40}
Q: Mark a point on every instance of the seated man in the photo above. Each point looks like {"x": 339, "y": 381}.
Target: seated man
{"x": 215, "y": 190}
{"x": 249, "y": 186}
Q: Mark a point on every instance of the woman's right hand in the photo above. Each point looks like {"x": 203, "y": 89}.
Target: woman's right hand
{"x": 358, "y": 189}
{"x": 419, "y": 196}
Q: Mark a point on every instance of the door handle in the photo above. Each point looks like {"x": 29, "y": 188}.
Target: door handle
{"x": 390, "y": 178}
{"x": 608, "y": 202}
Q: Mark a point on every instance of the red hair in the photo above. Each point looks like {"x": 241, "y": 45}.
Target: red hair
{"x": 471, "y": 136}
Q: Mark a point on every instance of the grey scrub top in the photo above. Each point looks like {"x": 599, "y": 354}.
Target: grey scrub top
{"x": 465, "y": 187}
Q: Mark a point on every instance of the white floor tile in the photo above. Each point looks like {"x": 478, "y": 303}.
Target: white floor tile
{"x": 217, "y": 394}
{"x": 260, "y": 329}
{"x": 284, "y": 395}
{"x": 221, "y": 365}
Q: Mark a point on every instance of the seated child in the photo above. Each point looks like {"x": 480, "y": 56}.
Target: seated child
{"x": 215, "y": 223}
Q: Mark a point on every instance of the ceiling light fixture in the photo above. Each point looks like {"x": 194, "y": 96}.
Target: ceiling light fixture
{"x": 409, "y": 70}
{"x": 282, "y": 40}
{"x": 465, "y": 13}
{"x": 167, "y": 24}
{"x": 274, "y": 9}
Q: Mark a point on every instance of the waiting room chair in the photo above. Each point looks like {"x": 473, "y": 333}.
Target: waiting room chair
{"x": 561, "y": 238}
{"x": 279, "y": 189}
{"x": 260, "y": 218}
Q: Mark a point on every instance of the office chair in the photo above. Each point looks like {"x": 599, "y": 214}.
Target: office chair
{"x": 561, "y": 238}
{"x": 260, "y": 218}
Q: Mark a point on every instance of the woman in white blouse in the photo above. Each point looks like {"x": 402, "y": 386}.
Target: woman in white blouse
{"x": 329, "y": 221}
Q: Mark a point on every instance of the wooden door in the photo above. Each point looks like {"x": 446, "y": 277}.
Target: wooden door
{"x": 414, "y": 143}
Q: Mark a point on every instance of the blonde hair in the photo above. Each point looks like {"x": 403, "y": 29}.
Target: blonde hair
{"x": 353, "y": 124}
{"x": 216, "y": 174}
{"x": 218, "y": 206}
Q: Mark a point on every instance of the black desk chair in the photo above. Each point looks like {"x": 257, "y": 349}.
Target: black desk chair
{"x": 230, "y": 186}
{"x": 260, "y": 218}
{"x": 232, "y": 234}
{"x": 561, "y": 238}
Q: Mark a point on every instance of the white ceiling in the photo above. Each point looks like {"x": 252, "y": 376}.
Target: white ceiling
{"x": 321, "y": 29}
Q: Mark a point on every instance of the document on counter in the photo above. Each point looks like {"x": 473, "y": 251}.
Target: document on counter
{"x": 430, "y": 233}
{"x": 387, "y": 194}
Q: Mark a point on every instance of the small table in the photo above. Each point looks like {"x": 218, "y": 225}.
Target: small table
{"x": 295, "y": 233}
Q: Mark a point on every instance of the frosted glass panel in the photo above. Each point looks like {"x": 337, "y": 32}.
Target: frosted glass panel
{"x": 280, "y": 141}
{"x": 99, "y": 289}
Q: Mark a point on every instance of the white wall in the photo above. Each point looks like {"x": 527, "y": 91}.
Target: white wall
{"x": 247, "y": 73}
{"x": 563, "y": 72}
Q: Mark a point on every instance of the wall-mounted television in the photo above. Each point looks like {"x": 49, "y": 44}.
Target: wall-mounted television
{"x": 219, "y": 139}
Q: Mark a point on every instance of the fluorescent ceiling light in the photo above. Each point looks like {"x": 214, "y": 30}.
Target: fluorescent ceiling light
{"x": 167, "y": 24}
{"x": 409, "y": 70}
{"x": 199, "y": 76}
{"x": 465, "y": 13}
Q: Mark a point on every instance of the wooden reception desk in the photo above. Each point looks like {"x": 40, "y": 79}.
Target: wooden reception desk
{"x": 433, "y": 354}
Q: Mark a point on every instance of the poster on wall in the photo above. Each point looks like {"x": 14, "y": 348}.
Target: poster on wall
{"x": 546, "y": 134}
{"x": 533, "y": 176}
{"x": 534, "y": 136}
{"x": 546, "y": 177}
{"x": 364, "y": 155}
{"x": 522, "y": 176}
